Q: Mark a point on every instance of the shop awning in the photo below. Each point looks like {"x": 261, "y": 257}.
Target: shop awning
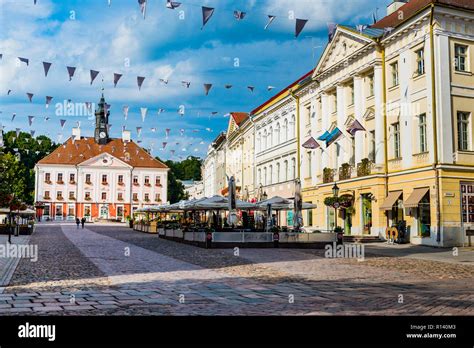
{"x": 415, "y": 198}
{"x": 390, "y": 200}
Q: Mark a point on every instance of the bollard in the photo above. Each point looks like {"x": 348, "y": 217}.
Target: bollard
{"x": 276, "y": 240}
{"x": 209, "y": 240}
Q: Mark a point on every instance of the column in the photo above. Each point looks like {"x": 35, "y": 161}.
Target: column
{"x": 341, "y": 111}
{"x": 379, "y": 121}
{"x": 325, "y": 125}
{"x": 359, "y": 101}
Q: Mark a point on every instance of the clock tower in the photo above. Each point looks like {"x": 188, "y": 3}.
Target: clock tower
{"x": 101, "y": 134}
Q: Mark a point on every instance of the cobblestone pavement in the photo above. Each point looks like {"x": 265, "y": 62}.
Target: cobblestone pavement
{"x": 8, "y": 264}
{"x": 104, "y": 270}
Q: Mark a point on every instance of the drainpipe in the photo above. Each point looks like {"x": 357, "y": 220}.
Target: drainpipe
{"x": 435, "y": 128}
{"x": 384, "y": 116}
{"x": 254, "y": 154}
{"x": 298, "y": 150}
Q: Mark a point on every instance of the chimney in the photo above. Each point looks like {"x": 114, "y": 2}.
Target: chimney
{"x": 76, "y": 133}
{"x": 395, "y": 5}
{"x": 126, "y": 136}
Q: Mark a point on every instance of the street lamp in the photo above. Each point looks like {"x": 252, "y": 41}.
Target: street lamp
{"x": 265, "y": 196}
{"x": 335, "y": 190}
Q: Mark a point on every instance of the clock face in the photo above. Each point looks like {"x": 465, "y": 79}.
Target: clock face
{"x": 102, "y": 135}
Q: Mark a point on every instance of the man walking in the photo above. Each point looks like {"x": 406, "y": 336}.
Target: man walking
{"x": 78, "y": 222}
{"x": 83, "y": 221}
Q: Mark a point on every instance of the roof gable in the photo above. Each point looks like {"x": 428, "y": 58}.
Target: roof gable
{"x": 344, "y": 43}
{"x": 105, "y": 160}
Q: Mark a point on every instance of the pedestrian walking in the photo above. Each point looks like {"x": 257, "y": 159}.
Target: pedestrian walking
{"x": 78, "y": 222}
{"x": 83, "y": 221}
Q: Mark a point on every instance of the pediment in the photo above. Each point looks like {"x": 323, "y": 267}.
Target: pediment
{"x": 369, "y": 114}
{"x": 343, "y": 45}
{"x": 349, "y": 121}
{"x": 105, "y": 160}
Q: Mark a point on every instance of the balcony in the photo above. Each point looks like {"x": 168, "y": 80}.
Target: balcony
{"x": 59, "y": 198}
{"x": 136, "y": 184}
{"x": 328, "y": 175}
{"x": 104, "y": 183}
{"x": 60, "y": 182}
{"x": 121, "y": 183}
{"x": 135, "y": 199}
{"x": 72, "y": 182}
{"x": 345, "y": 171}
{"x": 147, "y": 184}
{"x": 364, "y": 168}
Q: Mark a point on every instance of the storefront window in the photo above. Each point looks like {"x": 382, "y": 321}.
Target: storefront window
{"x": 309, "y": 221}
{"x": 467, "y": 204}
{"x": 331, "y": 218}
{"x": 397, "y": 212}
{"x": 424, "y": 216}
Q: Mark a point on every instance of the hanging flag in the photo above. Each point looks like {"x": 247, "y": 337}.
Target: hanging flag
{"x": 172, "y": 152}
{"x": 186, "y": 84}
{"x": 94, "y": 74}
{"x": 153, "y": 130}
{"x": 270, "y": 20}
{"x": 139, "y": 131}
{"x": 269, "y": 88}
{"x": 164, "y": 144}
{"x": 251, "y": 88}
{"x": 142, "y": 4}
{"x": 32, "y": 133}
{"x": 46, "y": 67}
{"x": 167, "y": 132}
{"x": 70, "y": 71}
{"x": 9, "y": 91}
{"x": 13, "y": 116}
{"x": 30, "y": 120}
{"x": 24, "y": 60}
{"x": 140, "y": 80}
{"x": 324, "y": 136}
{"x": 207, "y": 87}
{"x": 143, "y": 112}
{"x": 164, "y": 81}
{"x": 228, "y": 86}
{"x": 333, "y": 136}
{"x": 355, "y": 127}
{"x": 311, "y": 144}
{"x": 300, "y": 23}
{"x": 30, "y": 96}
{"x": 125, "y": 112}
{"x": 239, "y": 15}
{"x": 207, "y": 13}
{"x": 48, "y": 101}
{"x": 172, "y": 4}
{"x": 161, "y": 111}
{"x": 46, "y": 118}
{"x": 88, "y": 105}
{"x": 116, "y": 78}
{"x": 62, "y": 122}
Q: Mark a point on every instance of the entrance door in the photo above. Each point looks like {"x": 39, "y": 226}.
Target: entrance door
{"x": 104, "y": 212}
{"x": 467, "y": 208}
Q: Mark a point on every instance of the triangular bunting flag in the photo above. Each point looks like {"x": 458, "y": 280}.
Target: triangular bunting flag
{"x": 70, "y": 71}
{"x": 270, "y": 20}
{"x": 116, "y": 78}
{"x": 46, "y": 67}
{"x": 140, "y": 80}
{"x": 207, "y": 13}
{"x": 94, "y": 74}
{"x": 207, "y": 87}
{"x": 300, "y": 23}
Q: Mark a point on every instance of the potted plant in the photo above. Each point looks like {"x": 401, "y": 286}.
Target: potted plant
{"x": 130, "y": 221}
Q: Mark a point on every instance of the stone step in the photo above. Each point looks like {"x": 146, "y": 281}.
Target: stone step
{"x": 362, "y": 239}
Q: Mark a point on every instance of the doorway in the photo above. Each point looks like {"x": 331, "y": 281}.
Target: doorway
{"x": 104, "y": 212}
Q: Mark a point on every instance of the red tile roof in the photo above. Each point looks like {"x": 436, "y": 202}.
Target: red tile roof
{"x": 239, "y": 117}
{"x": 74, "y": 153}
{"x": 414, "y": 6}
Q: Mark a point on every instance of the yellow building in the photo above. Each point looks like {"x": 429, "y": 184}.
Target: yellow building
{"x": 408, "y": 82}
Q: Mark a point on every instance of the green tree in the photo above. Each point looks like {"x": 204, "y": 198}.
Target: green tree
{"x": 13, "y": 176}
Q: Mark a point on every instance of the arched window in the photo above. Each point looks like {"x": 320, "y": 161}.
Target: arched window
{"x": 293, "y": 168}
{"x": 270, "y": 138}
{"x": 292, "y": 127}
{"x": 260, "y": 176}
{"x": 285, "y": 171}
{"x": 286, "y": 130}
{"x": 259, "y": 142}
{"x": 278, "y": 173}
{"x": 265, "y": 176}
{"x": 264, "y": 140}
{"x": 277, "y": 134}
{"x": 270, "y": 175}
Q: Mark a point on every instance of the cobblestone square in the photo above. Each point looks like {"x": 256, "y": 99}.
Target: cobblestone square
{"x": 112, "y": 270}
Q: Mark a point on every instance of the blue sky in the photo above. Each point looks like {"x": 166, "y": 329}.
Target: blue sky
{"x": 167, "y": 44}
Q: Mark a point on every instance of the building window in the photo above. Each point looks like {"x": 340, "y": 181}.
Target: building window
{"x": 158, "y": 181}
{"x": 367, "y": 213}
{"x": 72, "y": 178}
{"x": 47, "y": 177}
{"x": 119, "y": 211}
{"x": 135, "y": 180}
{"x": 371, "y": 85}
{"x": 88, "y": 179}
{"x": 260, "y": 176}
{"x": 422, "y": 132}
{"x": 71, "y": 195}
{"x": 46, "y": 210}
{"x": 353, "y": 151}
{"x": 270, "y": 175}
{"x": 308, "y": 171}
{"x": 104, "y": 195}
{"x": 285, "y": 171}
{"x": 331, "y": 218}
{"x": 278, "y": 173}
{"x": 277, "y": 134}
{"x": 308, "y": 114}
{"x": 460, "y": 57}
{"x": 287, "y": 130}
{"x": 463, "y": 131}
{"x": 147, "y": 180}
{"x": 396, "y": 140}
{"x": 352, "y": 94}
{"x": 293, "y": 168}
{"x": 104, "y": 179}
{"x": 147, "y": 197}
{"x": 334, "y": 98}
{"x": 87, "y": 196}
{"x": 59, "y": 195}
{"x": 265, "y": 182}
{"x": 120, "y": 196}
{"x": 394, "y": 67}
{"x": 420, "y": 62}
{"x": 157, "y": 197}
{"x": 135, "y": 197}
{"x": 309, "y": 216}
{"x": 120, "y": 179}
{"x": 70, "y": 211}
{"x": 60, "y": 178}
{"x": 372, "y": 146}
{"x": 46, "y": 195}
{"x": 424, "y": 216}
